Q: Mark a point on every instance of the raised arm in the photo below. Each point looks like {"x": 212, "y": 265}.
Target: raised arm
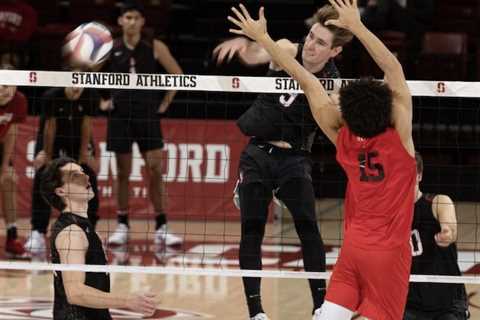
{"x": 250, "y": 52}
{"x": 349, "y": 18}
{"x": 325, "y": 113}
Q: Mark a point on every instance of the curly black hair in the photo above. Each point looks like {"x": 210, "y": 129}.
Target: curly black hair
{"x": 366, "y": 107}
{"x": 51, "y": 179}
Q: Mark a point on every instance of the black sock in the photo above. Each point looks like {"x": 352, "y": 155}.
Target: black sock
{"x": 160, "y": 220}
{"x": 254, "y": 303}
{"x": 12, "y": 233}
{"x": 123, "y": 218}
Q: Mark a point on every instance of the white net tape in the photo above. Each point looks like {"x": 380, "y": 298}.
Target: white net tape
{"x": 209, "y": 83}
{"x": 217, "y": 84}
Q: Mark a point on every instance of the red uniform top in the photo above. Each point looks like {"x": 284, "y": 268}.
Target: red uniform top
{"x": 13, "y": 112}
{"x": 379, "y": 199}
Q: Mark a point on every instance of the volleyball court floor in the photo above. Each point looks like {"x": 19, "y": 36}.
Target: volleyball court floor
{"x": 28, "y": 295}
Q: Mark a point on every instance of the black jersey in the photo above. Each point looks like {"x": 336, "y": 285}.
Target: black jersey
{"x": 284, "y": 116}
{"x": 98, "y": 280}
{"x": 69, "y": 115}
{"x": 141, "y": 59}
{"x": 431, "y": 259}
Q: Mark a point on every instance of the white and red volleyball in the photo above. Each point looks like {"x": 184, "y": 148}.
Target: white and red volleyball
{"x": 89, "y": 44}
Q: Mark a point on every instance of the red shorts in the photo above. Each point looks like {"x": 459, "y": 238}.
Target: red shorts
{"x": 374, "y": 283}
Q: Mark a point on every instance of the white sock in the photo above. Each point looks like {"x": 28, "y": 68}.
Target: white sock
{"x": 331, "y": 311}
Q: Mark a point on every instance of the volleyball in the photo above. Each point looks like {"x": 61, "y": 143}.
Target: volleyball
{"x": 89, "y": 44}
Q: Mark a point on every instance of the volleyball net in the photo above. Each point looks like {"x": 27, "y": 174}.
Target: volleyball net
{"x": 200, "y": 160}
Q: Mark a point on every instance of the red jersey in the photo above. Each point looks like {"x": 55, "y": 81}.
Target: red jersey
{"x": 13, "y": 112}
{"x": 379, "y": 199}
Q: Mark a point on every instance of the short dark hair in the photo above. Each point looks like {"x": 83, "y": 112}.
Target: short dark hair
{"x": 340, "y": 36}
{"x": 419, "y": 161}
{"x": 131, "y": 5}
{"x": 51, "y": 179}
{"x": 366, "y": 107}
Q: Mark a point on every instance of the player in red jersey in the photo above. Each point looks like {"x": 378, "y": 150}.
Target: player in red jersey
{"x": 371, "y": 128}
{"x": 13, "y": 110}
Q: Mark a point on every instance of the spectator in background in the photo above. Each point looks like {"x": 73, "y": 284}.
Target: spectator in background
{"x": 13, "y": 110}
{"x": 18, "y": 21}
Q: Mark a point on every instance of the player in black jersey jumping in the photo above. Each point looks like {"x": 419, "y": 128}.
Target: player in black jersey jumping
{"x": 134, "y": 117}
{"x": 434, "y": 233}
{"x": 277, "y": 158}
{"x": 80, "y": 295}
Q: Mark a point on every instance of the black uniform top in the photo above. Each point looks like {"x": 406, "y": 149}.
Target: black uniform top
{"x": 69, "y": 115}
{"x": 141, "y": 59}
{"x": 98, "y": 280}
{"x": 431, "y": 259}
{"x": 284, "y": 116}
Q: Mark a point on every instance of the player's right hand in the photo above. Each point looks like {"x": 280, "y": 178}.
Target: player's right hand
{"x": 229, "y": 49}
{"x": 445, "y": 237}
{"x": 143, "y": 303}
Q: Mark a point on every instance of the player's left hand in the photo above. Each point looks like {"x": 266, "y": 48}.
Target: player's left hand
{"x": 348, "y": 14}
{"x": 445, "y": 237}
{"x": 253, "y": 29}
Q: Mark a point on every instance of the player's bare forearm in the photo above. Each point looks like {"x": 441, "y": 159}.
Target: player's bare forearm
{"x": 169, "y": 97}
{"x": 254, "y": 54}
{"x": 444, "y": 210}
{"x": 85, "y": 139}
{"x": 48, "y": 137}
{"x": 90, "y": 297}
{"x": 8, "y": 146}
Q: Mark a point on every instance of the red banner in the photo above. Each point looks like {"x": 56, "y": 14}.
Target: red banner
{"x": 200, "y": 157}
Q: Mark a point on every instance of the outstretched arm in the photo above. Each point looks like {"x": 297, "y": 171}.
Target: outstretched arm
{"x": 349, "y": 18}
{"x": 250, "y": 52}
{"x": 325, "y": 113}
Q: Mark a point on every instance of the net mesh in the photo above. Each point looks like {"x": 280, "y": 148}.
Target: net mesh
{"x": 200, "y": 158}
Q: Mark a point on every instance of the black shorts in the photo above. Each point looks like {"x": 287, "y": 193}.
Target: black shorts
{"x": 453, "y": 314}
{"x": 273, "y": 166}
{"x": 123, "y": 132}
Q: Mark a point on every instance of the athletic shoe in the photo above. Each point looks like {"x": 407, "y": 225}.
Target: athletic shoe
{"x": 316, "y": 314}
{"x": 162, "y": 236}
{"x": 120, "y": 255}
{"x": 260, "y": 316}
{"x": 120, "y": 236}
{"x": 36, "y": 245}
{"x": 36, "y": 242}
{"x": 14, "y": 249}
